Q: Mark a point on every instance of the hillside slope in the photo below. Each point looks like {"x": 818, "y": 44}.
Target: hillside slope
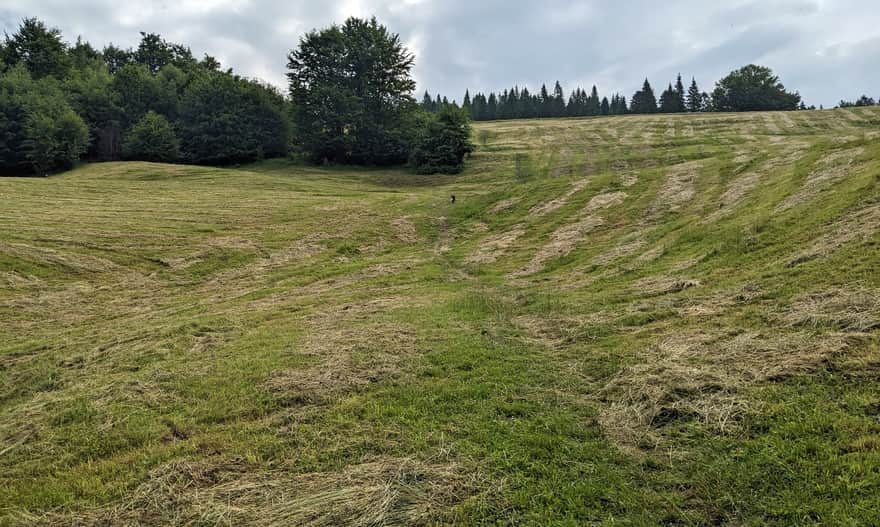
{"x": 637, "y": 320}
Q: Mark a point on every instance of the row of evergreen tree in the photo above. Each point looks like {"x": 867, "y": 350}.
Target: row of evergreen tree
{"x": 520, "y": 103}
{"x": 864, "y": 100}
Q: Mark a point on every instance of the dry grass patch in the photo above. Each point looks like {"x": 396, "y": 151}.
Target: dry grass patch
{"x": 504, "y": 205}
{"x": 662, "y": 285}
{"x": 405, "y": 230}
{"x": 562, "y": 241}
{"x": 622, "y": 250}
{"x": 677, "y": 189}
{"x": 347, "y": 348}
{"x": 556, "y": 204}
{"x": 494, "y": 247}
{"x": 851, "y": 310}
{"x": 704, "y": 378}
{"x": 856, "y": 227}
{"x": 831, "y": 169}
{"x": 379, "y": 492}
{"x": 603, "y": 201}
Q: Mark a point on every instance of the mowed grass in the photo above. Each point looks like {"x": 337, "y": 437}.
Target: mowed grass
{"x": 665, "y": 320}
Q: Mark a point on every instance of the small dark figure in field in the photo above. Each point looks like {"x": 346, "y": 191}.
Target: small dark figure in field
{"x": 452, "y": 199}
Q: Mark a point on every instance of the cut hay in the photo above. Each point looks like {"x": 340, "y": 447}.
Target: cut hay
{"x": 622, "y": 250}
{"x": 830, "y": 170}
{"x": 662, "y": 285}
{"x": 562, "y": 242}
{"x": 736, "y": 191}
{"x": 558, "y": 203}
{"x": 677, "y": 189}
{"x": 405, "y": 230}
{"x": 702, "y": 378}
{"x": 494, "y": 247}
{"x": 347, "y": 349}
{"x": 505, "y": 205}
{"x": 603, "y": 201}
{"x": 849, "y": 310}
{"x": 855, "y": 228}
{"x": 379, "y": 492}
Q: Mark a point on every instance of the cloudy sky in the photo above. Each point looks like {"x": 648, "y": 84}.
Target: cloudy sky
{"x": 826, "y": 49}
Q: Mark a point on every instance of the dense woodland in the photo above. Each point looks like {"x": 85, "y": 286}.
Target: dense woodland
{"x": 60, "y": 103}
{"x": 349, "y": 101}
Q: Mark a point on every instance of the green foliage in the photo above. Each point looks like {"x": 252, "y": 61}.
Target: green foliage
{"x": 89, "y": 91}
{"x": 137, "y": 90}
{"x": 226, "y": 120}
{"x": 752, "y": 88}
{"x": 38, "y": 48}
{"x": 39, "y": 132}
{"x": 443, "y": 143}
{"x": 644, "y": 101}
{"x": 351, "y": 87}
{"x": 155, "y": 53}
{"x": 152, "y": 139}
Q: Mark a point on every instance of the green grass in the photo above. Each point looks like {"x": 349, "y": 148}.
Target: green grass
{"x": 291, "y": 345}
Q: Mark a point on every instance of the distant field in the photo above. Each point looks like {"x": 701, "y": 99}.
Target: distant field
{"x": 622, "y": 321}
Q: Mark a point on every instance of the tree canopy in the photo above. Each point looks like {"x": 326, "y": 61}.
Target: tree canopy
{"x": 351, "y": 91}
{"x": 752, "y": 88}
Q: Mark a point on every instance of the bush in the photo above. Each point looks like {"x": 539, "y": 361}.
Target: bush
{"x": 443, "y": 143}
{"x": 152, "y": 139}
{"x": 39, "y": 132}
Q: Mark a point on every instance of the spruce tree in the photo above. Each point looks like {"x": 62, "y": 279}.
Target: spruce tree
{"x": 558, "y": 101}
{"x": 546, "y": 104}
{"x": 668, "y": 100}
{"x": 606, "y": 106}
{"x": 644, "y": 101}
{"x": 679, "y": 95}
{"x": 594, "y": 105}
{"x": 694, "y": 97}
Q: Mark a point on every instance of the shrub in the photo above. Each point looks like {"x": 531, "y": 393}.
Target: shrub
{"x": 443, "y": 143}
{"x": 152, "y": 139}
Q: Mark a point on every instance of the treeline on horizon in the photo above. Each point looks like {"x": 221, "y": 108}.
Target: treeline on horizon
{"x": 751, "y": 88}
{"x": 349, "y": 101}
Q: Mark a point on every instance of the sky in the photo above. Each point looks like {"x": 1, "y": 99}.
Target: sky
{"x": 825, "y": 49}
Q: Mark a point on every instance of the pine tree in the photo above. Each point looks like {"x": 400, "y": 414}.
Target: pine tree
{"x": 605, "y": 107}
{"x": 558, "y": 101}
{"x": 594, "y": 105}
{"x": 668, "y": 100}
{"x": 492, "y": 107}
{"x": 546, "y": 104}
{"x": 694, "y": 97}
{"x": 679, "y": 95}
{"x": 644, "y": 101}
{"x": 466, "y": 103}
{"x": 427, "y": 102}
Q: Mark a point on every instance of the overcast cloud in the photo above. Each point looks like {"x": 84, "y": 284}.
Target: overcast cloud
{"x": 826, "y": 49}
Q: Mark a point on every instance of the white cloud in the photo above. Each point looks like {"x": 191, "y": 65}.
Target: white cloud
{"x": 824, "y": 49}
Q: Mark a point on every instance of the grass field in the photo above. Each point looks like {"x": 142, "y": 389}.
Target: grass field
{"x": 665, "y": 320}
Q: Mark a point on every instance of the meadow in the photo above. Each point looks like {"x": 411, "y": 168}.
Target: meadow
{"x": 638, "y": 320}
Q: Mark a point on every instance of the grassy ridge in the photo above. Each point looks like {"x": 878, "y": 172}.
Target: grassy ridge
{"x": 640, "y": 320}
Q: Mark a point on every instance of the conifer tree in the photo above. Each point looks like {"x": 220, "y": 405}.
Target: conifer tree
{"x": 558, "y": 101}
{"x": 594, "y": 105}
{"x": 694, "y": 97}
{"x": 679, "y": 95}
{"x": 644, "y": 101}
{"x": 606, "y": 106}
